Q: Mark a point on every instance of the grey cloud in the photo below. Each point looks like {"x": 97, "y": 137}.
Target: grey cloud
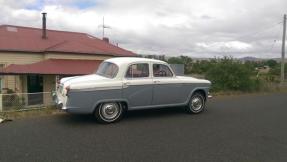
{"x": 193, "y": 27}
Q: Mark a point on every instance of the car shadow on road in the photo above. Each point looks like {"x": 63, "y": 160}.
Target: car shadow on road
{"x": 154, "y": 113}
{"x": 76, "y": 119}
{"x": 135, "y": 115}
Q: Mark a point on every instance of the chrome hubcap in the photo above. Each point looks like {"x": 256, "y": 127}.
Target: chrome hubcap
{"x": 110, "y": 110}
{"x": 196, "y": 103}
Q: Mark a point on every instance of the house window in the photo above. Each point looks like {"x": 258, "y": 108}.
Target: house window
{"x": 1, "y": 66}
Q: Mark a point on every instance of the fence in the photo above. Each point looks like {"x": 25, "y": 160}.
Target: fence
{"x": 24, "y": 101}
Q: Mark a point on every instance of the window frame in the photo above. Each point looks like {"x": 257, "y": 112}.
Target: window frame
{"x": 128, "y": 66}
{"x": 172, "y": 74}
{"x": 116, "y": 73}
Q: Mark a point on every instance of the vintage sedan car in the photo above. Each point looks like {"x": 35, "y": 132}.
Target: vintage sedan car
{"x": 130, "y": 83}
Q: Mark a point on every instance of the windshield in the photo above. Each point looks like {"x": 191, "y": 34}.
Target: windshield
{"x": 107, "y": 69}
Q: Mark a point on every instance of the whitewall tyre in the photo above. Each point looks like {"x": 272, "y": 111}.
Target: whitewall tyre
{"x": 109, "y": 112}
{"x": 196, "y": 104}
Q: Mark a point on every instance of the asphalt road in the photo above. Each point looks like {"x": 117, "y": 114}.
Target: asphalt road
{"x": 242, "y": 128}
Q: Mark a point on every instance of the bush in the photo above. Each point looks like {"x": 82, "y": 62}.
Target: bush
{"x": 228, "y": 74}
{"x": 185, "y": 60}
{"x": 201, "y": 67}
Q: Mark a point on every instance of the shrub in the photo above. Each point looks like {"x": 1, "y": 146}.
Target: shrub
{"x": 185, "y": 60}
{"x": 228, "y": 74}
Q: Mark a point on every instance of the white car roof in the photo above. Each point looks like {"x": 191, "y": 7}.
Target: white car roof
{"x": 128, "y": 60}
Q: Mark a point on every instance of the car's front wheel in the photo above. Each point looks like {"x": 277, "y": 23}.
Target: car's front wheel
{"x": 109, "y": 112}
{"x": 196, "y": 103}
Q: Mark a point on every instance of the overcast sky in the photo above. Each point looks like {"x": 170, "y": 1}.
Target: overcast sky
{"x": 198, "y": 28}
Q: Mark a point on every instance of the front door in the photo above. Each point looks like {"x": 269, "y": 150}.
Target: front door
{"x": 166, "y": 89}
{"x": 35, "y": 89}
{"x": 138, "y": 85}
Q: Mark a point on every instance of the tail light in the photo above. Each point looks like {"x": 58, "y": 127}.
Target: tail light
{"x": 67, "y": 90}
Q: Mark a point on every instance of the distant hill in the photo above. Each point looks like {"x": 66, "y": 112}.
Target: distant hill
{"x": 243, "y": 59}
{"x": 249, "y": 58}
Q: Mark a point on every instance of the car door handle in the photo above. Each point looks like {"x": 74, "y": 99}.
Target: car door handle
{"x": 156, "y": 81}
{"x": 126, "y": 84}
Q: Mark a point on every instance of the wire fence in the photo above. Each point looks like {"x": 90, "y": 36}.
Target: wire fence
{"x": 25, "y": 101}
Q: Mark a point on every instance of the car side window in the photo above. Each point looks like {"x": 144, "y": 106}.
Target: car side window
{"x": 160, "y": 70}
{"x": 138, "y": 71}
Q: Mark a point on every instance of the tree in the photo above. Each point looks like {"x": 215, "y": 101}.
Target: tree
{"x": 271, "y": 63}
{"x": 175, "y": 60}
{"x": 187, "y": 62}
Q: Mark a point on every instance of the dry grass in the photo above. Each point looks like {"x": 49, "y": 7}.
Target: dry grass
{"x": 269, "y": 89}
{"x": 29, "y": 113}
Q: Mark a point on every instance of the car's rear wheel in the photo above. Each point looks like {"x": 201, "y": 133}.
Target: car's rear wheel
{"x": 196, "y": 103}
{"x": 109, "y": 112}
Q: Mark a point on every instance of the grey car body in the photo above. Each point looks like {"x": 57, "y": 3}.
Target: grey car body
{"x": 132, "y": 81}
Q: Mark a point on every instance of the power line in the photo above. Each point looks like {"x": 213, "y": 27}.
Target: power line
{"x": 260, "y": 32}
{"x": 275, "y": 40}
{"x": 273, "y": 44}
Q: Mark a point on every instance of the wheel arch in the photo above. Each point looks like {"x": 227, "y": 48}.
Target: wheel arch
{"x": 202, "y": 92}
{"x": 123, "y": 103}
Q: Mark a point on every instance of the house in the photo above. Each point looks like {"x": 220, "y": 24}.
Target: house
{"x": 32, "y": 59}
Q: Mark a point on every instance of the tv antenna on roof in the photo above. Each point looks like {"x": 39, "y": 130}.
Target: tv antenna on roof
{"x": 104, "y": 26}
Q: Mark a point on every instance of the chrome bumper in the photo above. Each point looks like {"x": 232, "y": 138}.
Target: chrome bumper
{"x": 209, "y": 96}
{"x": 57, "y": 102}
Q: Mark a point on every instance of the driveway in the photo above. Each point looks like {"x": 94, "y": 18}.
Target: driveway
{"x": 240, "y": 128}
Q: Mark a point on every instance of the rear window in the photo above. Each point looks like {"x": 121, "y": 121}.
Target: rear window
{"x": 138, "y": 71}
{"x": 107, "y": 69}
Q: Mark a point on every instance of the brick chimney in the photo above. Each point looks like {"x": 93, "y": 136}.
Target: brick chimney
{"x": 44, "y": 30}
{"x": 105, "y": 39}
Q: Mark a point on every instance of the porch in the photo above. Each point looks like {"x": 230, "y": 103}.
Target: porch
{"x": 30, "y": 85}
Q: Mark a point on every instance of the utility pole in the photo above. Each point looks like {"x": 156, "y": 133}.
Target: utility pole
{"x": 283, "y": 50}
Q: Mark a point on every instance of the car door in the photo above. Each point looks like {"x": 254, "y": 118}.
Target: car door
{"x": 166, "y": 89}
{"x": 138, "y": 85}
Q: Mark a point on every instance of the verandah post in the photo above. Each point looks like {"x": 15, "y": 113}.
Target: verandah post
{"x": 1, "y": 105}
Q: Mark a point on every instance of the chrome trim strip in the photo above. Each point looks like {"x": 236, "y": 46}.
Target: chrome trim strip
{"x": 96, "y": 89}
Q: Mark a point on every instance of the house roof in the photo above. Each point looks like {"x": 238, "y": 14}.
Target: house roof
{"x": 28, "y": 39}
{"x": 54, "y": 66}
